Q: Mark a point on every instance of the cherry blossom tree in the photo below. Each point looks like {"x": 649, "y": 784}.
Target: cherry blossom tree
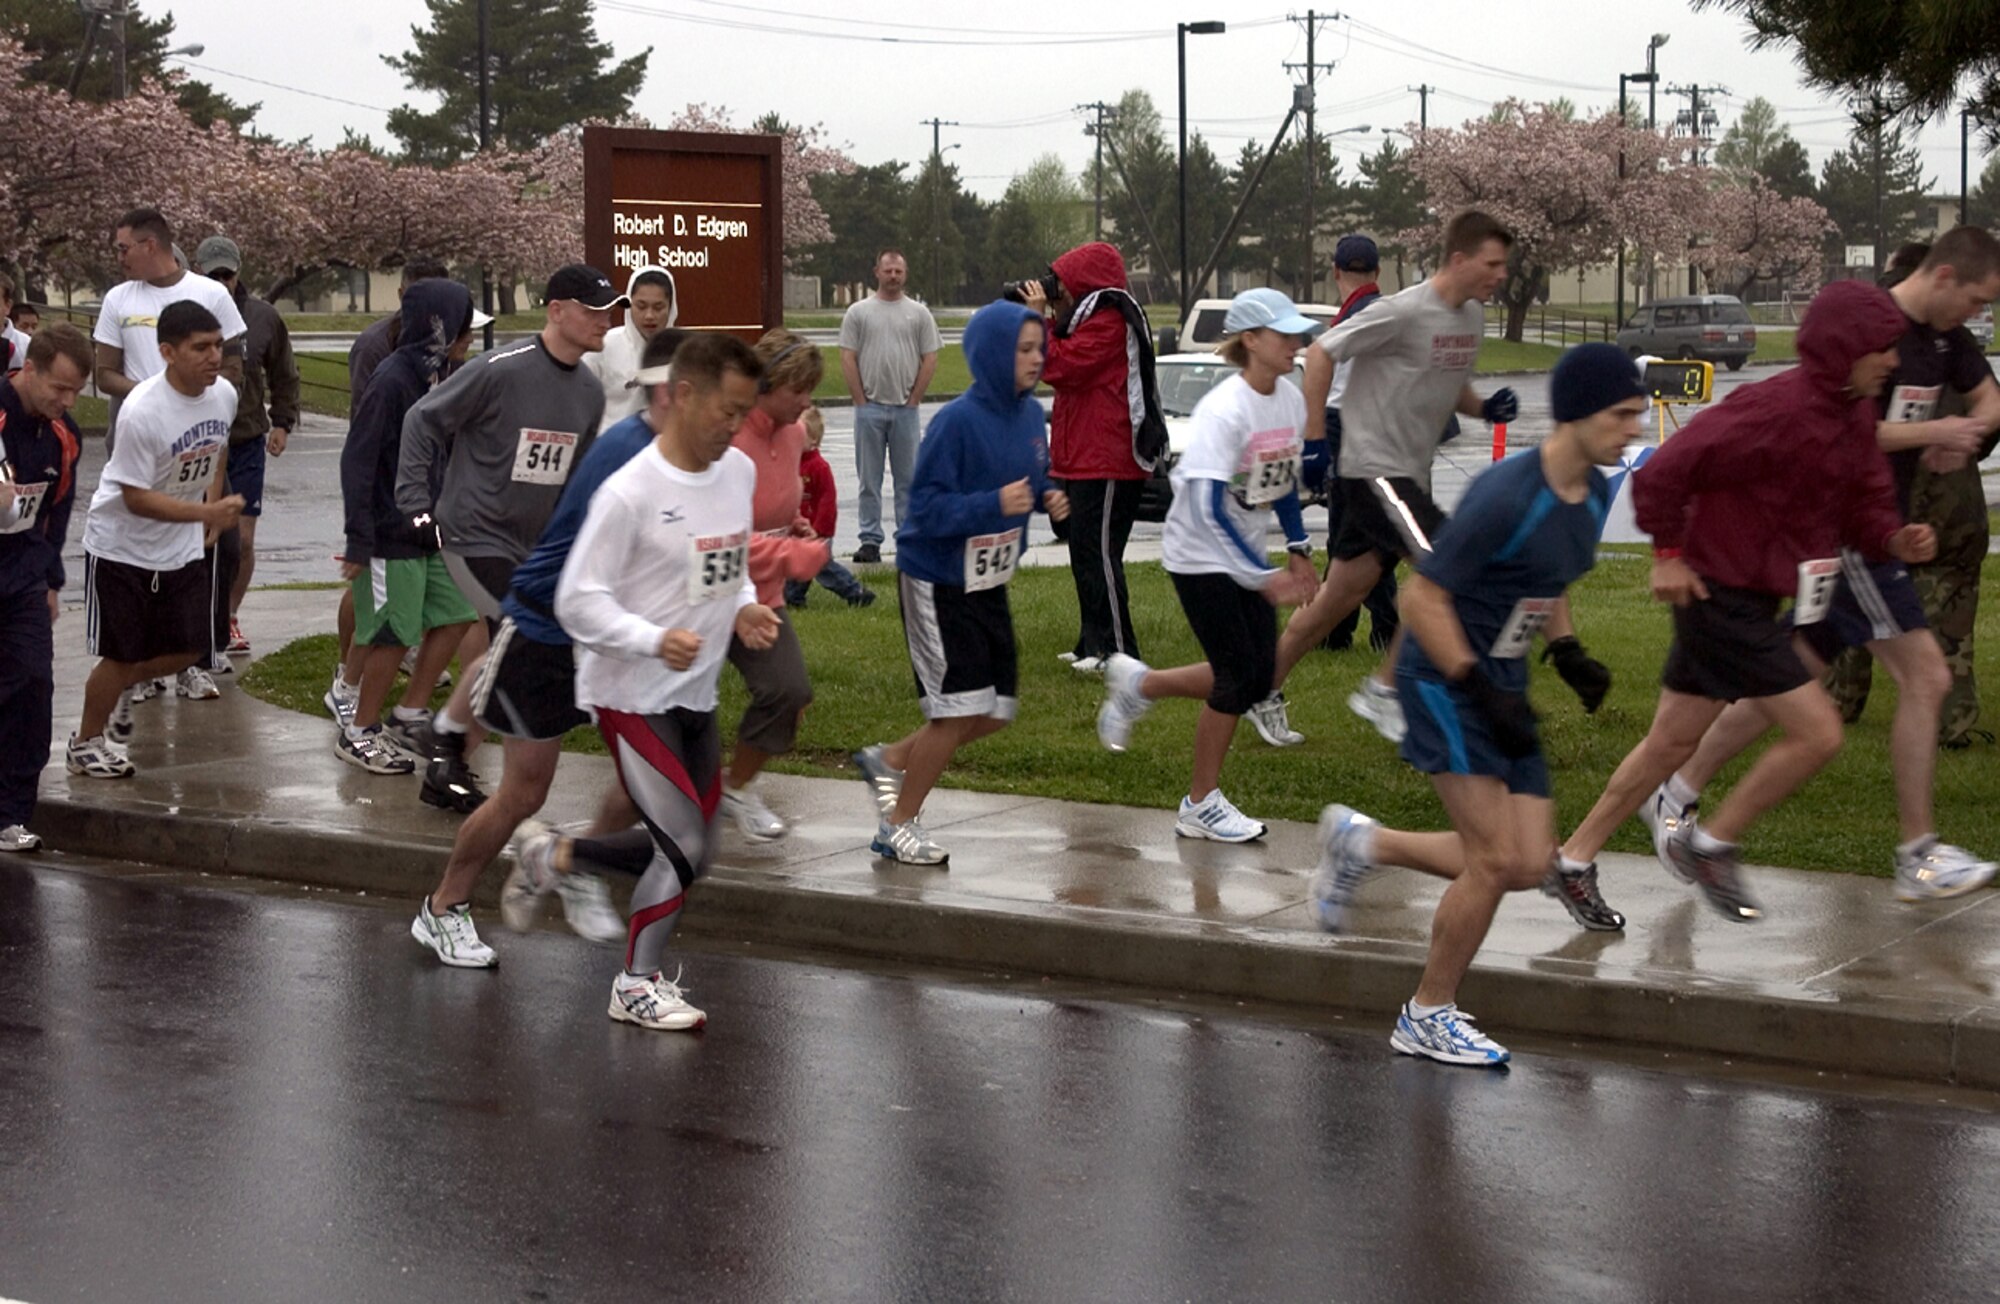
{"x": 1555, "y": 181}
{"x": 1754, "y": 233}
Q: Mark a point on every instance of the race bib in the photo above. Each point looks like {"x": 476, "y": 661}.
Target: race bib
{"x": 27, "y": 504}
{"x": 990, "y": 559}
{"x": 1518, "y": 634}
{"x": 1817, "y": 581}
{"x": 194, "y": 469}
{"x": 543, "y": 456}
{"x": 715, "y": 564}
{"x": 1272, "y": 474}
{"x": 1912, "y": 403}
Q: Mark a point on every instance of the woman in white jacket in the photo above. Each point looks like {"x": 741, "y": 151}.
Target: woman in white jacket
{"x": 654, "y": 305}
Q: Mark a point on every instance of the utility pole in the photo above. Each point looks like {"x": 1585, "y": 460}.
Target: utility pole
{"x": 1304, "y": 95}
{"x": 937, "y": 126}
{"x": 485, "y": 139}
{"x": 1423, "y": 106}
{"x": 118, "y": 70}
{"x": 1698, "y": 121}
{"x": 1964, "y": 167}
{"x": 1096, "y": 130}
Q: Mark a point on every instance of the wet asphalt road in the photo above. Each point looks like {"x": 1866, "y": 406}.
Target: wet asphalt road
{"x": 219, "y": 1095}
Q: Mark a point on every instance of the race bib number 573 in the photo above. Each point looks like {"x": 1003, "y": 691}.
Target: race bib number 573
{"x": 543, "y": 456}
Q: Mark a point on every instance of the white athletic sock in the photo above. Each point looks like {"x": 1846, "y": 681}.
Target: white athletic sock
{"x": 1679, "y": 793}
{"x": 1569, "y": 866}
{"x": 409, "y": 714}
{"x": 1426, "y": 1011}
{"x": 1917, "y": 847}
{"x": 1708, "y": 845}
{"x": 443, "y": 723}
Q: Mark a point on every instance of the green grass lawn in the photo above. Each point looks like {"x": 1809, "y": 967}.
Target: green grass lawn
{"x": 1844, "y": 821}
{"x": 323, "y": 383}
{"x": 339, "y": 322}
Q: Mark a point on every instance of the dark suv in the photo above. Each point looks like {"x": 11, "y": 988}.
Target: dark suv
{"x": 1712, "y": 327}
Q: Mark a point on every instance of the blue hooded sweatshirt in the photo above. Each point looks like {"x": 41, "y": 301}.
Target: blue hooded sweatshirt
{"x": 985, "y": 439}
{"x": 435, "y": 314}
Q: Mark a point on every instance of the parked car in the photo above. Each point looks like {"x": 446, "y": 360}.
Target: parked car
{"x": 1202, "y": 331}
{"x": 1184, "y": 378}
{"x": 1711, "y": 327}
{"x": 1981, "y": 327}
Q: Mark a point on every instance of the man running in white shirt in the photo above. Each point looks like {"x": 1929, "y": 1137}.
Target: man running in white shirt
{"x": 655, "y": 586}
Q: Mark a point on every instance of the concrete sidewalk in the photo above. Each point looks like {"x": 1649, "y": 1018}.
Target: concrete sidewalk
{"x": 1839, "y": 976}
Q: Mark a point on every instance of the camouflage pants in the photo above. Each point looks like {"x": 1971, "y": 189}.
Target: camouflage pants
{"x": 1953, "y": 503}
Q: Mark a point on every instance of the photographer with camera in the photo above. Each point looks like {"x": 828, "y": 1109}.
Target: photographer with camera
{"x": 1107, "y": 432}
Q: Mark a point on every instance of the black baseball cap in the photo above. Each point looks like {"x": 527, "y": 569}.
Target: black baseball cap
{"x": 586, "y": 285}
{"x": 1356, "y": 253}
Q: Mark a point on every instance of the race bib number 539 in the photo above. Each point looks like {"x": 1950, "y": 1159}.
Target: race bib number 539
{"x": 543, "y": 456}
{"x": 715, "y": 564}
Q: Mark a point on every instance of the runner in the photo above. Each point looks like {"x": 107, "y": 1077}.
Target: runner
{"x": 528, "y": 692}
{"x": 1414, "y": 353}
{"x": 1750, "y": 502}
{"x": 1876, "y": 605}
{"x": 654, "y": 591}
{"x": 652, "y": 307}
{"x": 509, "y": 427}
{"x": 1526, "y": 529}
{"x": 784, "y": 549}
{"x": 507, "y": 430}
{"x": 158, "y": 497}
{"x": 982, "y": 469}
{"x": 39, "y": 447}
{"x": 1241, "y": 463}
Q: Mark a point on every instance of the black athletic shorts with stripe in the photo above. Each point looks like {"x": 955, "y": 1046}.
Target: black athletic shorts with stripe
{"x": 1390, "y": 516}
{"x": 1874, "y": 603}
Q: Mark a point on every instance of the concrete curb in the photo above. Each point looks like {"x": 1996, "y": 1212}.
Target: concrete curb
{"x": 1919, "y": 1039}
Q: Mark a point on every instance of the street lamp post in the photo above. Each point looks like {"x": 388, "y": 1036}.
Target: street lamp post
{"x": 1181, "y": 31}
{"x": 1653, "y": 118}
{"x": 1650, "y": 78}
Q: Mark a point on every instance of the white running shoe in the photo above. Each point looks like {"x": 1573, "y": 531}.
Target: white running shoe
{"x": 1088, "y": 665}
{"x": 907, "y": 844}
{"x": 587, "y": 908}
{"x": 533, "y": 877}
{"x": 1273, "y": 723}
{"x": 341, "y": 700}
{"x": 97, "y": 758}
{"x": 1664, "y": 817}
{"x": 885, "y": 782}
{"x": 220, "y": 666}
{"x": 15, "y": 837}
{"x": 118, "y": 729}
{"x": 370, "y": 750}
{"x": 148, "y": 689}
{"x": 1123, "y": 703}
{"x": 1345, "y": 838}
{"x": 654, "y": 1001}
{"x": 1941, "y": 870}
{"x": 1447, "y": 1036}
{"x": 195, "y": 685}
{"x": 1379, "y": 706}
{"x": 452, "y": 936}
{"x": 1216, "y": 819}
{"x": 753, "y": 818}
{"x": 1067, "y": 658}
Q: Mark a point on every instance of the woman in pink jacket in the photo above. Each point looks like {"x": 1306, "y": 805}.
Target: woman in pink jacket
{"x": 784, "y": 548}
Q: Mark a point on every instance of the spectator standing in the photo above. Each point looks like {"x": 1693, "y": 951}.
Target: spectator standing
{"x": 653, "y": 306}
{"x": 1107, "y": 433}
{"x": 266, "y": 413}
{"x": 39, "y": 444}
{"x": 16, "y": 337}
{"x": 888, "y": 353}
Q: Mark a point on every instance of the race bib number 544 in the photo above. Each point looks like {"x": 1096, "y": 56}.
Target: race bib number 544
{"x": 543, "y": 456}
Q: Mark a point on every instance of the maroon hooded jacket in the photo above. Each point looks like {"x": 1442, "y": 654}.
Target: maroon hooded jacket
{"x": 1784, "y": 471}
{"x": 1091, "y": 428}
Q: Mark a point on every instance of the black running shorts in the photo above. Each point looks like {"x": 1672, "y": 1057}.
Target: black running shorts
{"x": 526, "y": 689}
{"x": 132, "y": 614}
{"x": 1732, "y": 645}
{"x": 1389, "y": 516}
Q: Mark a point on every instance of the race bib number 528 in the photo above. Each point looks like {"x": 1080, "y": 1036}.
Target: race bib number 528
{"x": 543, "y": 456}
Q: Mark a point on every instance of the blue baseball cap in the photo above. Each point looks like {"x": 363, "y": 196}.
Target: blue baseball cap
{"x": 1357, "y": 253}
{"x": 1271, "y": 309}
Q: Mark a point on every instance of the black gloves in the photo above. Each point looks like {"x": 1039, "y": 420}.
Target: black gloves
{"x": 1508, "y": 716}
{"x": 1586, "y": 675}
{"x": 1501, "y": 408}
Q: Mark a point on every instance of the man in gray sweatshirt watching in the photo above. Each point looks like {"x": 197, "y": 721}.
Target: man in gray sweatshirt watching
{"x": 507, "y": 430}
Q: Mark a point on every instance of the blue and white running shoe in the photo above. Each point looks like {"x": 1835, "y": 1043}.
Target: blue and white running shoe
{"x": 1448, "y": 1037}
{"x": 1345, "y": 835}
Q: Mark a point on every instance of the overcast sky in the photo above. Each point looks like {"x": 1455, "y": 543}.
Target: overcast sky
{"x": 973, "y": 63}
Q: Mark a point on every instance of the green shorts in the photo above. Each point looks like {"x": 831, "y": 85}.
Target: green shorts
{"x": 397, "y": 602}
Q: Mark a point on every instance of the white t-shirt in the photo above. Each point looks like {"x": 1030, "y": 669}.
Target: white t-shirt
{"x": 1250, "y": 443}
{"x": 660, "y": 549}
{"x": 20, "y": 343}
{"x": 168, "y": 442}
{"x": 130, "y": 320}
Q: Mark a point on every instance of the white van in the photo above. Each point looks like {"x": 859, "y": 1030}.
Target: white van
{"x": 1202, "y": 331}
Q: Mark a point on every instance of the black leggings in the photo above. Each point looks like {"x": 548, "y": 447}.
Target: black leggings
{"x": 1101, "y": 513}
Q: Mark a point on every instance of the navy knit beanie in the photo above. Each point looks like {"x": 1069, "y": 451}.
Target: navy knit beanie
{"x": 1590, "y": 378}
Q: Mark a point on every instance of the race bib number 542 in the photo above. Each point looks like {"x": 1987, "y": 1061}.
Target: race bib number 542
{"x": 990, "y": 559}
{"x": 543, "y": 456}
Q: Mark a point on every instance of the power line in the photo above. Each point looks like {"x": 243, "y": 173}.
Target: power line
{"x": 210, "y": 69}
{"x": 1425, "y": 54}
{"x": 793, "y": 29}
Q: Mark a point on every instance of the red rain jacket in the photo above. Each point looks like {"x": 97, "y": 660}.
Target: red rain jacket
{"x": 1091, "y": 427}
